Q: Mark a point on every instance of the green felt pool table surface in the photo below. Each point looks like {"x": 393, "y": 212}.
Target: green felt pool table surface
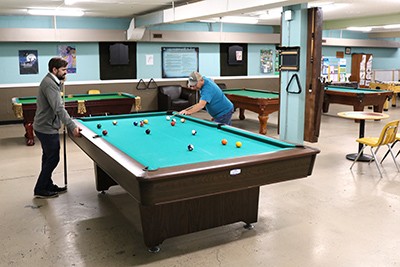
{"x": 170, "y": 143}
{"x": 253, "y": 93}
{"x": 78, "y": 97}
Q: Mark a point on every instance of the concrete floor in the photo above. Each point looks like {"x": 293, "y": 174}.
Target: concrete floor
{"x": 335, "y": 217}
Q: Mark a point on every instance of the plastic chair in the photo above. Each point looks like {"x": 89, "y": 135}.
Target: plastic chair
{"x": 386, "y": 138}
{"x": 395, "y": 142}
{"x": 93, "y": 92}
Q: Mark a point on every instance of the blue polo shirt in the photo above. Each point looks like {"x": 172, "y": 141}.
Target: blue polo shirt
{"x": 217, "y": 103}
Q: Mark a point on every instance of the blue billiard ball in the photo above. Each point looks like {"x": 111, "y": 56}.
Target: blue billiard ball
{"x": 148, "y": 131}
{"x": 98, "y": 126}
{"x": 135, "y": 123}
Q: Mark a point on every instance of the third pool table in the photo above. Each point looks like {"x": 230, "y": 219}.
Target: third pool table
{"x": 258, "y": 101}
{"x": 356, "y": 97}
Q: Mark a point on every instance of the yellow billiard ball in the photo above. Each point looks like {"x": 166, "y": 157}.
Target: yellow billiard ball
{"x": 146, "y": 121}
{"x": 238, "y": 144}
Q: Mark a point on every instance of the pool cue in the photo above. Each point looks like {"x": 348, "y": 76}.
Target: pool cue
{"x": 64, "y": 141}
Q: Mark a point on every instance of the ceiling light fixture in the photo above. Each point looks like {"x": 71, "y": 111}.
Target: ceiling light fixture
{"x": 69, "y": 12}
{"x": 360, "y": 29}
{"x": 240, "y": 20}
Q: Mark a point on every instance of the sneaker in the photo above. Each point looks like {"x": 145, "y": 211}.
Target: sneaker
{"x": 46, "y": 194}
{"x": 59, "y": 190}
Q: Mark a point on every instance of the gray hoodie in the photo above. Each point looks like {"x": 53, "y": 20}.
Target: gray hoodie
{"x": 50, "y": 111}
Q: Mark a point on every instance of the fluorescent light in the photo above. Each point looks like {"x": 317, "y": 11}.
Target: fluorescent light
{"x": 392, "y": 26}
{"x": 360, "y": 29}
{"x": 57, "y": 12}
{"x": 240, "y": 20}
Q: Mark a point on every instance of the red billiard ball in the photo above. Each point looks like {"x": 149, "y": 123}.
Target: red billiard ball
{"x": 105, "y": 132}
{"x": 224, "y": 141}
{"x": 173, "y": 123}
{"x": 190, "y": 147}
{"x": 141, "y": 123}
{"x": 148, "y": 131}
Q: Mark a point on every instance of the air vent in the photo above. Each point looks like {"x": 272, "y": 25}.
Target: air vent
{"x": 157, "y": 35}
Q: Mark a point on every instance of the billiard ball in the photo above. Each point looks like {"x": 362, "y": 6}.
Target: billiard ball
{"x": 148, "y": 131}
{"x": 173, "y": 123}
{"x": 238, "y": 144}
{"x": 105, "y": 132}
{"x": 135, "y": 123}
{"x": 141, "y": 123}
{"x": 115, "y": 122}
{"x": 190, "y": 147}
{"x": 224, "y": 141}
{"x": 98, "y": 126}
{"x": 168, "y": 118}
{"x": 183, "y": 120}
{"x": 145, "y": 121}
{"x": 194, "y": 132}
{"x": 174, "y": 120}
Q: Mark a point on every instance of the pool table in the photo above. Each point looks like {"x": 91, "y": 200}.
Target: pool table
{"x": 356, "y": 97}
{"x": 178, "y": 190}
{"x": 77, "y": 105}
{"x": 258, "y": 101}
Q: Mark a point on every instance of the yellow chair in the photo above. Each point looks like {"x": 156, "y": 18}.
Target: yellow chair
{"x": 93, "y": 92}
{"x": 395, "y": 142}
{"x": 386, "y": 138}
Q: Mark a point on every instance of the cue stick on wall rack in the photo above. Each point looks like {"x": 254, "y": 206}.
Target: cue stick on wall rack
{"x": 64, "y": 141}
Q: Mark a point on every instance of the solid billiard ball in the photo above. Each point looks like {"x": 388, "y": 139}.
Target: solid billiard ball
{"x": 148, "y": 131}
{"x": 115, "y": 122}
{"x": 194, "y": 132}
{"x": 105, "y": 132}
{"x": 141, "y": 123}
{"x": 190, "y": 147}
{"x": 238, "y": 144}
{"x": 168, "y": 118}
{"x": 98, "y": 126}
{"x": 173, "y": 123}
{"x": 145, "y": 121}
{"x": 183, "y": 120}
{"x": 135, "y": 123}
{"x": 224, "y": 141}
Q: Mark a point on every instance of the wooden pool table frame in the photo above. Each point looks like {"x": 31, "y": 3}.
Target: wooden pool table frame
{"x": 76, "y": 109}
{"x": 183, "y": 199}
{"x": 262, "y": 106}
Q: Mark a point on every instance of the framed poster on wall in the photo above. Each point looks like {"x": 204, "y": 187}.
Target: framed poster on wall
{"x": 179, "y": 62}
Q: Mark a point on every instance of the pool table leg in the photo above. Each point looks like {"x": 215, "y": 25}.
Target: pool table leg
{"x": 30, "y": 138}
{"x": 163, "y": 221}
{"x": 263, "y": 123}
{"x": 241, "y": 113}
{"x": 103, "y": 180}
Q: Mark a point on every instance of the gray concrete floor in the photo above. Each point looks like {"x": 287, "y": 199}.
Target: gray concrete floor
{"x": 336, "y": 217}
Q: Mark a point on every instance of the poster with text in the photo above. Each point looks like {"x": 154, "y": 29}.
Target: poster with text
{"x": 28, "y": 62}
{"x": 267, "y": 62}
{"x": 68, "y": 53}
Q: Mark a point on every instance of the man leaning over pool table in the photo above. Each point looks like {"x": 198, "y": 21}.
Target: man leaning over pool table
{"x": 211, "y": 97}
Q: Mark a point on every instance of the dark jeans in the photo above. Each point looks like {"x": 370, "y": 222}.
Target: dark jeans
{"x": 225, "y": 119}
{"x": 50, "y": 158}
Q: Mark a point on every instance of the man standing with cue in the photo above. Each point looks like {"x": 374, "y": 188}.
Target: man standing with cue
{"x": 50, "y": 113}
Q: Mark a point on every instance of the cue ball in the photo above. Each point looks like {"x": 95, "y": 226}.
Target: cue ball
{"x": 146, "y": 121}
{"x": 115, "y": 122}
{"x": 135, "y": 123}
{"x": 148, "y": 131}
{"x": 224, "y": 141}
{"x": 194, "y": 132}
{"x": 168, "y": 118}
{"x": 98, "y": 126}
{"x": 173, "y": 123}
{"x": 183, "y": 120}
{"x": 190, "y": 147}
{"x": 105, "y": 132}
{"x": 238, "y": 144}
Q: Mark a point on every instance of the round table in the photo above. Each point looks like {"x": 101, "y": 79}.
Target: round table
{"x": 362, "y": 116}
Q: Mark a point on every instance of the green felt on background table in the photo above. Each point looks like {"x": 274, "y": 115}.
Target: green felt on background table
{"x": 76, "y": 97}
{"x": 251, "y": 93}
{"x": 353, "y": 90}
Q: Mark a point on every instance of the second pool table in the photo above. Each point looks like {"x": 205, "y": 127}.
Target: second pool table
{"x": 181, "y": 191}
{"x": 356, "y": 97}
{"x": 78, "y": 105}
{"x": 258, "y": 101}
